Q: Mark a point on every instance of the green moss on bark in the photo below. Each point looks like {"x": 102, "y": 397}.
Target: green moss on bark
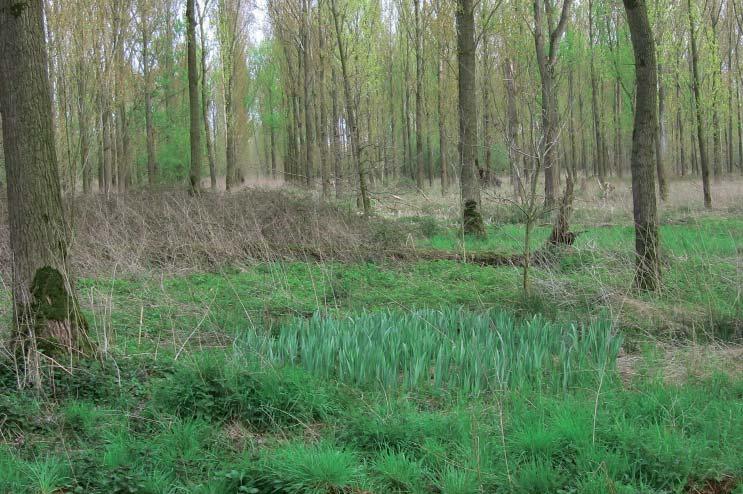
{"x": 473, "y": 224}
{"x": 54, "y": 316}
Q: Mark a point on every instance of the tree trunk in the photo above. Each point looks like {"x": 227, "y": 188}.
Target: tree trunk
{"x": 661, "y": 141}
{"x": 466, "y": 59}
{"x": 337, "y": 160}
{"x": 645, "y": 129}
{"x": 546, "y": 50}
{"x": 443, "y": 148}
{"x": 419, "y": 169}
{"x": 309, "y": 141}
{"x": 323, "y": 117}
{"x": 205, "y": 108}
{"x": 46, "y": 312}
{"x": 695, "y": 83}
{"x": 82, "y": 120}
{"x": 351, "y": 113}
{"x": 149, "y": 123}
{"x": 193, "y": 102}
{"x": 512, "y": 128}
{"x": 599, "y": 163}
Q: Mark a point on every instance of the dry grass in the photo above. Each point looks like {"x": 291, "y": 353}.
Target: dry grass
{"x": 679, "y": 364}
{"x": 172, "y": 232}
{"x": 593, "y": 207}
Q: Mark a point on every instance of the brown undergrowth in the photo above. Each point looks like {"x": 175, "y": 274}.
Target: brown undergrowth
{"x": 169, "y": 231}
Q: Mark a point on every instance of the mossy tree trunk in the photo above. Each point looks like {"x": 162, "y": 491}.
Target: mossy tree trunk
{"x": 645, "y": 132}
{"x": 46, "y": 313}
{"x": 466, "y": 57}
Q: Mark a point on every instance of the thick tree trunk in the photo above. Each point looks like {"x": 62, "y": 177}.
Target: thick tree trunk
{"x": 695, "y": 82}
{"x": 46, "y": 313}
{"x": 194, "y": 177}
{"x": 643, "y": 166}
{"x": 466, "y": 58}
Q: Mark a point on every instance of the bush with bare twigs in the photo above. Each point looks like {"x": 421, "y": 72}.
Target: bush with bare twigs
{"x": 170, "y": 231}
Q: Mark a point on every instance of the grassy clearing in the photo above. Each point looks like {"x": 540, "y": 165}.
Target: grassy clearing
{"x": 230, "y": 421}
{"x": 358, "y": 374}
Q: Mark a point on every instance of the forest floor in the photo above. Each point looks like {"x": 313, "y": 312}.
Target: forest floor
{"x": 280, "y": 346}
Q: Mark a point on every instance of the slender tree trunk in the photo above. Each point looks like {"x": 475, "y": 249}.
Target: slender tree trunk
{"x": 193, "y": 101}
{"x": 730, "y": 134}
{"x": 351, "y": 114}
{"x": 419, "y": 169}
{"x": 443, "y": 146}
{"x": 323, "y": 125}
{"x": 645, "y": 129}
{"x": 149, "y": 123}
{"x": 82, "y": 120}
{"x": 571, "y": 116}
{"x": 695, "y": 83}
{"x": 599, "y": 164}
{"x": 681, "y": 133}
{"x": 512, "y": 128}
{"x": 205, "y": 108}
{"x": 337, "y": 161}
{"x": 661, "y": 141}
{"x": 309, "y": 141}
{"x": 46, "y": 313}
{"x": 466, "y": 58}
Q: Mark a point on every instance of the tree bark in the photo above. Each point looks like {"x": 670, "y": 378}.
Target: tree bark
{"x": 546, "y": 51}
{"x": 599, "y": 156}
{"x": 661, "y": 141}
{"x": 466, "y": 58}
{"x": 46, "y": 312}
{"x": 695, "y": 83}
{"x": 419, "y": 169}
{"x": 149, "y": 122}
{"x": 351, "y": 113}
{"x": 205, "y": 106}
{"x": 513, "y": 128}
{"x": 443, "y": 147}
{"x": 193, "y": 101}
{"x": 647, "y": 275}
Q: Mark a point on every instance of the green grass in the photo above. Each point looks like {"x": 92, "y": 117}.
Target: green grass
{"x": 170, "y": 426}
{"x": 418, "y": 377}
{"x": 700, "y": 298}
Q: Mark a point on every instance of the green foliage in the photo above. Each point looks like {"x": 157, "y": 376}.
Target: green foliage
{"x": 79, "y": 417}
{"x": 217, "y": 389}
{"x": 448, "y": 349}
{"x": 316, "y": 469}
{"x": 398, "y": 473}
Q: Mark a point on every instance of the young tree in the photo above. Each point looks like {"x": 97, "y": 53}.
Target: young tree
{"x": 193, "y": 101}
{"x": 695, "y": 83}
{"x": 643, "y": 165}
{"x": 547, "y": 61}
{"x": 466, "y": 57}
{"x": 47, "y": 316}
